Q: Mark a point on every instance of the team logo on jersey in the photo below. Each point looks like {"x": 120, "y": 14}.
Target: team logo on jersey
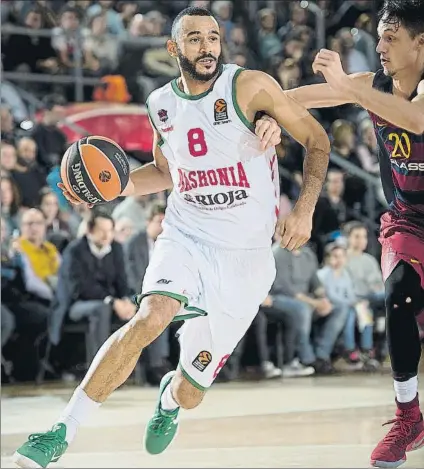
{"x": 221, "y": 112}
{"x": 163, "y": 115}
{"x": 202, "y": 360}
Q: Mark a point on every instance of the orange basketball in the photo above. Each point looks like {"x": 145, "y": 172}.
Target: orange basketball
{"x": 95, "y": 170}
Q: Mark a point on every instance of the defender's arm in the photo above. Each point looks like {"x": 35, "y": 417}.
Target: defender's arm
{"x": 394, "y": 109}
{"x": 322, "y": 95}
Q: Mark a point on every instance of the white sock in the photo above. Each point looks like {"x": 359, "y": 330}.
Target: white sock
{"x": 76, "y": 412}
{"x": 406, "y": 390}
{"x": 167, "y": 401}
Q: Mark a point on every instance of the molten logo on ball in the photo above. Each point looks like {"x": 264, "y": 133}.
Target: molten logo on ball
{"x": 105, "y": 176}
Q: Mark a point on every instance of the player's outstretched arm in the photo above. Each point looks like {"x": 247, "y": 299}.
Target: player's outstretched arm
{"x": 323, "y": 95}
{"x": 152, "y": 177}
{"x": 257, "y": 91}
{"x": 408, "y": 115}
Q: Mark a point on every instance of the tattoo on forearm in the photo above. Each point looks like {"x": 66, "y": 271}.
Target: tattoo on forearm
{"x": 314, "y": 172}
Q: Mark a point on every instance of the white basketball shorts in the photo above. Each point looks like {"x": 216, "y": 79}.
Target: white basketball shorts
{"x": 220, "y": 292}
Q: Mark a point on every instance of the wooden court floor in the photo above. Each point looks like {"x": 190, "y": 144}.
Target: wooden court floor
{"x": 310, "y": 422}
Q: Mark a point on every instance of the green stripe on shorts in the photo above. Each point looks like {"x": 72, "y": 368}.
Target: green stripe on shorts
{"x": 191, "y": 380}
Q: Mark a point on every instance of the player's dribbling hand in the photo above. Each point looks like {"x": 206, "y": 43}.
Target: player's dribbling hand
{"x": 68, "y": 196}
{"x": 295, "y": 230}
{"x": 268, "y": 131}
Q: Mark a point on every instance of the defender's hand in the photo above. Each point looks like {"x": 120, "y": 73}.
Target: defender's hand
{"x": 329, "y": 64}
{"x": 268, "y": 131}
{"x": 295, "y": 230}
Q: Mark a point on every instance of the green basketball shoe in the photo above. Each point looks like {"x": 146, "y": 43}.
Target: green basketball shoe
{"x": 162, "y": 427}
{"x": 42, "y": 448}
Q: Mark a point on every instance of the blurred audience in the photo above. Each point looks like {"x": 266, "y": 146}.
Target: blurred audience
{"x": 93, "y": 283}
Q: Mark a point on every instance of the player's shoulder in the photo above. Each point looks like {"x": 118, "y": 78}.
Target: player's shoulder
{"x": 159, "y": 94}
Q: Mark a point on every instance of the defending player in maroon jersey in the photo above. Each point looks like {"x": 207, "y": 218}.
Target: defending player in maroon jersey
{"x": 394, "y": 98}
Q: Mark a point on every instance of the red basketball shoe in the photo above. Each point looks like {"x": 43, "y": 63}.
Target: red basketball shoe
{"x": 406, "y": 434}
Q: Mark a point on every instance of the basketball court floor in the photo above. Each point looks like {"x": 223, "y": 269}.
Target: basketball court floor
{"x": 310, "y": 422}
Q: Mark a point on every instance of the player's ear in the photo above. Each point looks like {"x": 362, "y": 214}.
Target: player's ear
{"x": 421, "y": 40}
{"x": 171, "y": 47}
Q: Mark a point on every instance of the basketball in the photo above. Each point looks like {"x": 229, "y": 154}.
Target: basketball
{"x": 95, "y": 170}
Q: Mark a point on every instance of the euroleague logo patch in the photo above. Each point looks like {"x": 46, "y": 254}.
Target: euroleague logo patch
{"x": 105, "y": 176}
{"x": 220, "y": 111}
{"x": 202, "y": 360}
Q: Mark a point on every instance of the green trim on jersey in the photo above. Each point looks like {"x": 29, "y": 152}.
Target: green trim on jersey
{"x": 191, "y": 97}
{"x": 161, "y": 141}
{"x": 239, "y": 112}
{"x": 191, "y": 380}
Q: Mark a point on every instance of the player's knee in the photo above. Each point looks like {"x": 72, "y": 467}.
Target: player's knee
{"x": 187, "y": 395}
{"x": 153, "y": 316}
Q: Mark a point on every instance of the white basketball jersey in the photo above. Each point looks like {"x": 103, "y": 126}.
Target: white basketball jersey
{"x": 226, "y": 190}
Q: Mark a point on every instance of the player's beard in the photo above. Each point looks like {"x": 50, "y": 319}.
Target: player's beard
{"x": 189, "y": 67}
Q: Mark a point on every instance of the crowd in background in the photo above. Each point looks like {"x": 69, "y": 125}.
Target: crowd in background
{"x": 63, "y": 265}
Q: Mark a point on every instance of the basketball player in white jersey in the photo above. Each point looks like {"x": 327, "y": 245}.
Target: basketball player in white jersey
{"x": 213, "y": 265}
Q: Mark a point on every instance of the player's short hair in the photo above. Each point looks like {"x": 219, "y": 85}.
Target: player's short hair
{"x": 94, "y": 215}
{"x": 156, "y": 208}
{"x": 351, "y": 226}
{"x": 190, "y": 11}
{"x": 408, "y": 13}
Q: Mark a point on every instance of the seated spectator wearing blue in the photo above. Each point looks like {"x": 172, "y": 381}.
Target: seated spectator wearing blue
{"x": 298, "y": 292}
{"x": 340, "y": 290}
{"x": 138, "y": 250}
{"x": 363, "y": 268}
{"x": 92, "y": 282}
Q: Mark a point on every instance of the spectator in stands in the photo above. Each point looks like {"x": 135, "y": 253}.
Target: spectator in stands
{"x": 140, "y": 246}
{"x": 68, "y": 36}
{"x": 101, "y": 48}
{"x": 269, "y": 43}
{"x": 29, "y": 175}
{"x": 288, "y": 74}
{"x": 8, "y": 157}
{"x": 50, "y": 140}
{"x": 365, "y": 41}
{"x": 353, "y": 60}
{"x": 363, "y": 268}
{"x": 124, "y": 229}
{"x": 42, "y": 255}
{"x": 223, "y": 10}
{"x": 138, "y": 250}
{"x": 135, "y": 208}
{"x": 298, "y": 17}
{"x": 298, "y": 292}
{"x": 367, "y": 148}
{"x": 58, "y": 231}
{"x": 7, "y": 126}
{"x": 10, "y": 203}
{"x": 157, "y": 63}
{"x": 114, "y": 21}
{"x": 127, "y": 10}
{"x": 23, "y": 292}
{"x": 330, "y": 213}
{"x": 28, "y": 53}
{"x": 92, "y": 282}
{"x": 340, "y": 290}
{"x": 237, "y": 45}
